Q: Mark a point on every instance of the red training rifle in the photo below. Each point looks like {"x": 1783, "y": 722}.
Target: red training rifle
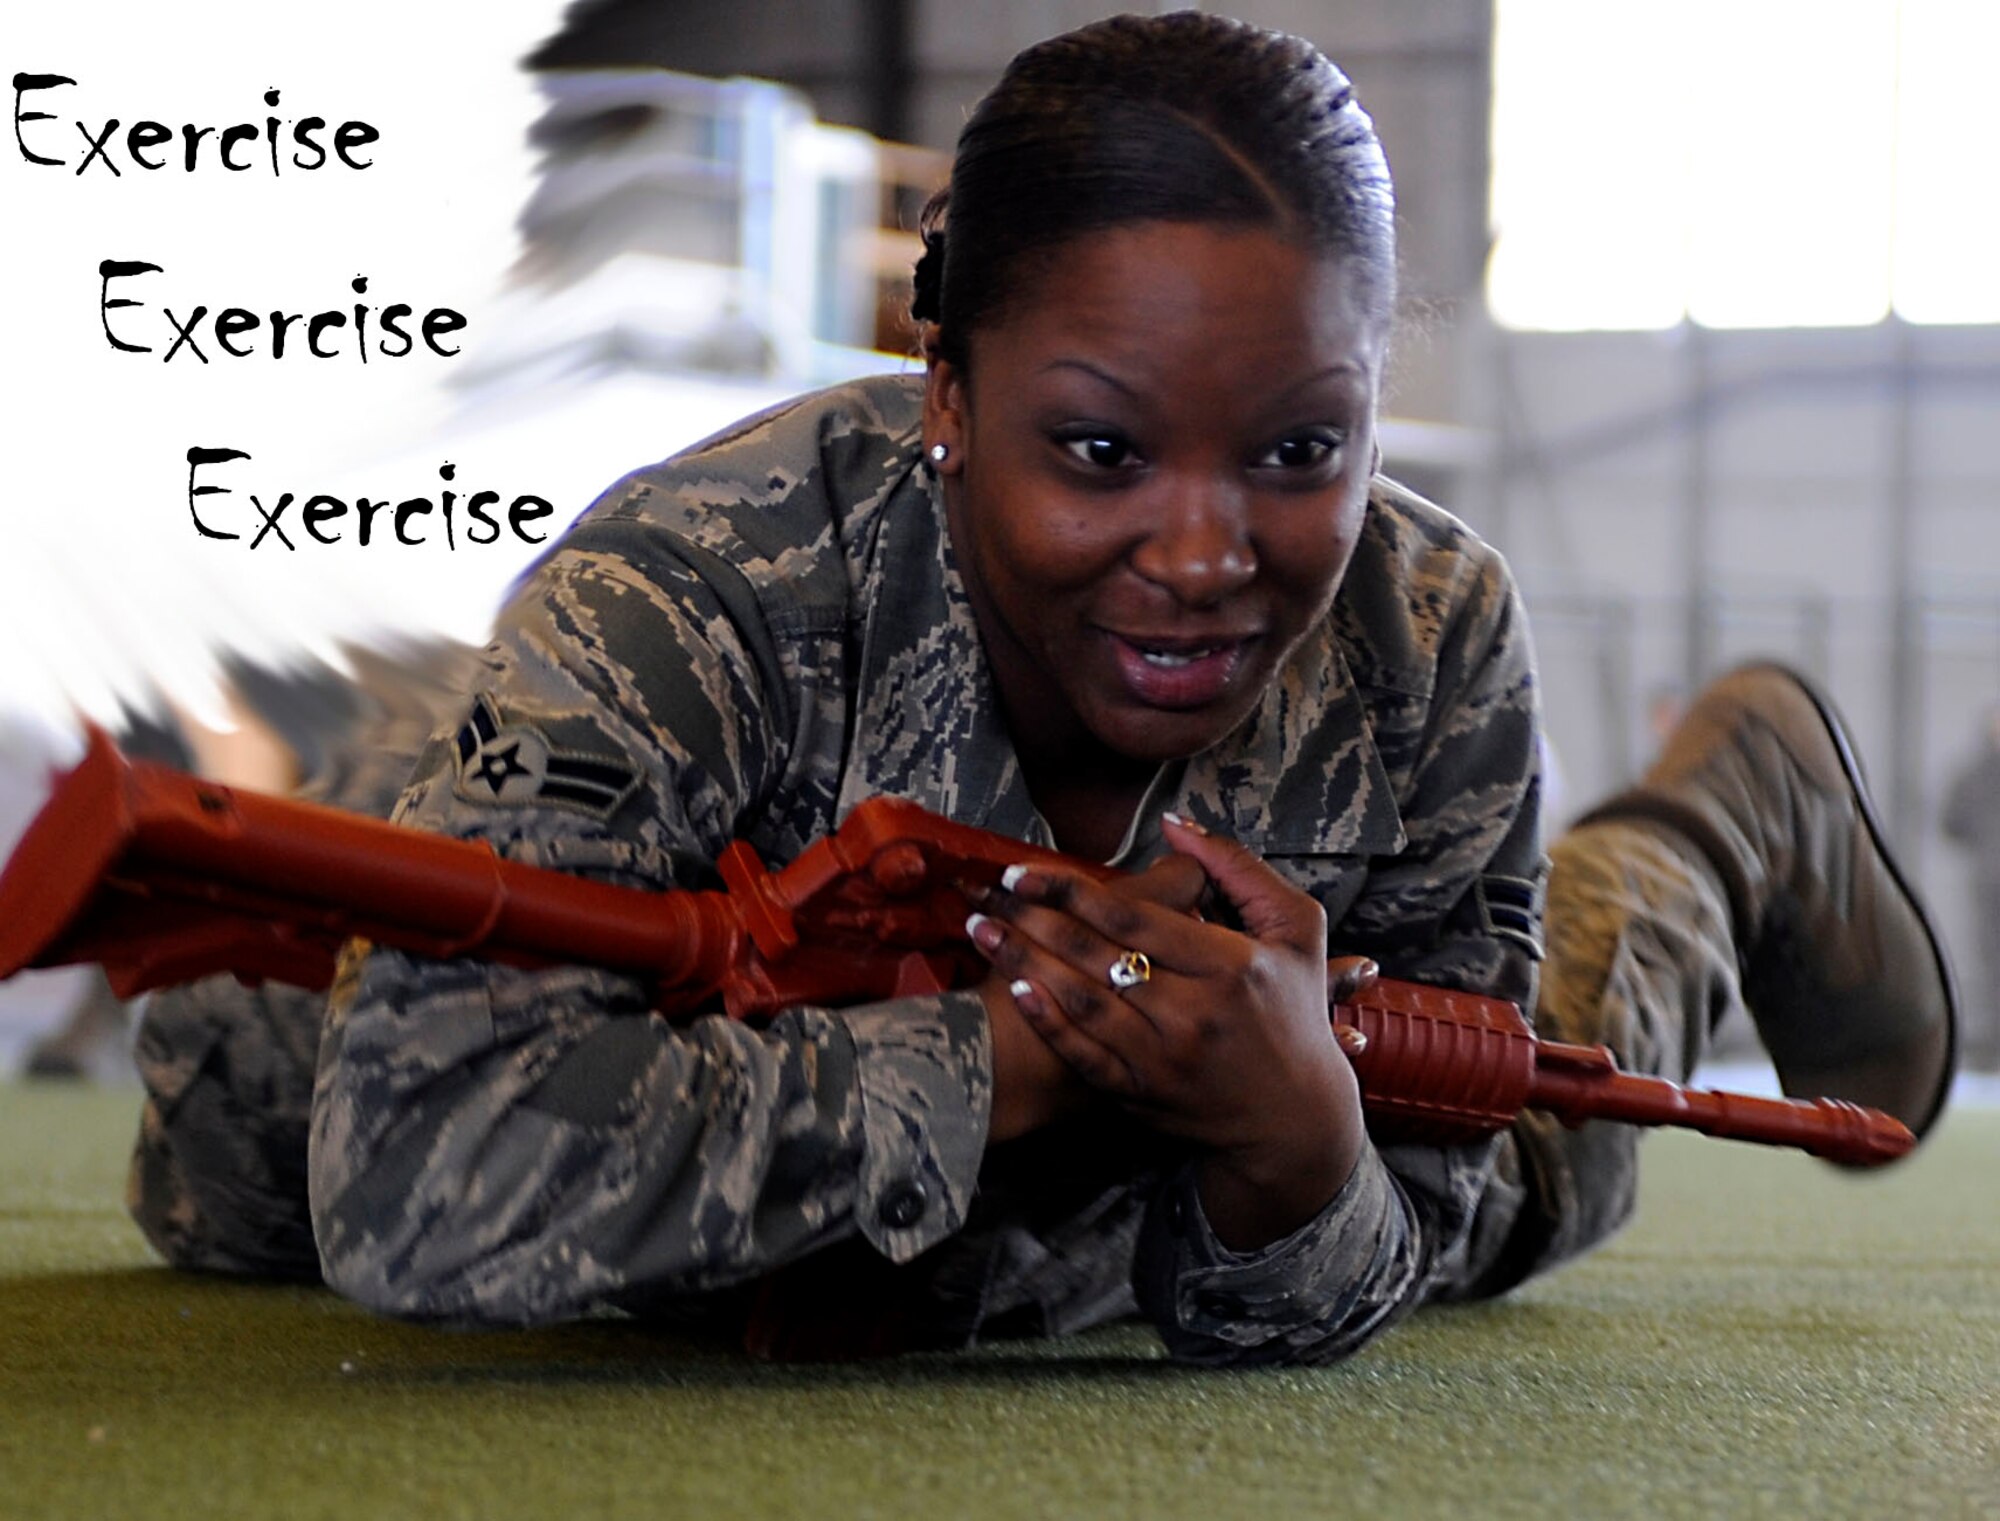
{"x": 162, "y": 878}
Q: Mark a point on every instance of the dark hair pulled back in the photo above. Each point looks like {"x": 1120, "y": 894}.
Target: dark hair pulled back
{"x": 1186, "y": 117}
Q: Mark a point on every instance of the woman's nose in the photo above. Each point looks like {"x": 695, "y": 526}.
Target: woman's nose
{"x": 1198, "y": 547}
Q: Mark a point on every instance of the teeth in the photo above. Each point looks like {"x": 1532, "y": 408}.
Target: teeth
{"x": 1168, "y": 660}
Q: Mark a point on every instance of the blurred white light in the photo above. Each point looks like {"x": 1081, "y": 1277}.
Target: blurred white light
{"x": 1947, "y": 243}
{"x": 1791, "y": 117}
{"x": 1745, "y": 163}
{"x": 1589, "y": 166}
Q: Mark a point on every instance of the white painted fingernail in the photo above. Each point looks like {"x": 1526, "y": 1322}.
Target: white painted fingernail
{"x": 1019, "y": 987}
{"x": 1011, "y": 877}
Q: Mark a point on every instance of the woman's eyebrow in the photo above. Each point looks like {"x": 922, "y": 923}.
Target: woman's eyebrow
{"x": 1344, "y": 370}
{"x": 1091, "y": 370}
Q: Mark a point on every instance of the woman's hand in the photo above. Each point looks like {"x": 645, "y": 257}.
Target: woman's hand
{"x": 1032, "y": 1085}
{"x": 1226, "y": 1043}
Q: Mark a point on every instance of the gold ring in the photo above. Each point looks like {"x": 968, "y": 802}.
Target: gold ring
{"x": 1129, "y": 970}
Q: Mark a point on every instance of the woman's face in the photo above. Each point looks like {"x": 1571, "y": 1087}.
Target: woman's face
{"x": 1159, "y": 460}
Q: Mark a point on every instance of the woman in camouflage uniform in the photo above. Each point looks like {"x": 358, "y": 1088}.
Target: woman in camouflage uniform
{"x": 1114, "y": 574}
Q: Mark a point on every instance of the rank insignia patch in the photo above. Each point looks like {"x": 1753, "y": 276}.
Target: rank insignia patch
{"x": 516, "y": 763}
{"x": 1511, "y": 908}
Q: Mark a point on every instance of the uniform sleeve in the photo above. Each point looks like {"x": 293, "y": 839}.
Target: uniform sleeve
{"x": 498, "y": 1145}
{"x": 1458, "y": 907}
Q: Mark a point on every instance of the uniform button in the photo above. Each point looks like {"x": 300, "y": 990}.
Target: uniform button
{"x": 903, "y": 1205}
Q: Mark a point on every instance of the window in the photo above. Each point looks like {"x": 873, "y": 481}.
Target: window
{"x": 1744, "y": 163}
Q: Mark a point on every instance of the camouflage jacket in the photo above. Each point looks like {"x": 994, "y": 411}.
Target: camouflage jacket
{"x": 746, "y": 641}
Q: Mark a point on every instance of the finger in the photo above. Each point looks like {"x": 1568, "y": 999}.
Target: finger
{"x": 1090, "y": 924}
{"x": 1173, "y": 882}
{"x": 1090, "y": 1059}
{"x": 1114, "y": 918}
{"x": 1072, "y": 941}
{"x": 1269, "y": 907}
{"x": 1347, "y": 977}
{"x": 1081, "y": 990}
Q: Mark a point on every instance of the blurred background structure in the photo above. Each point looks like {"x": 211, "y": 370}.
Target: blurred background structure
{"x": 1701, "y": 311}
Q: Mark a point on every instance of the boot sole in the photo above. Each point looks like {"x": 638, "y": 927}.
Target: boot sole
{"x": 1850, "y": 764}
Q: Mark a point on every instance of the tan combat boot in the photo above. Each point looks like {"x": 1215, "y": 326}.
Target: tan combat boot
{"x": 1844, "y": 976}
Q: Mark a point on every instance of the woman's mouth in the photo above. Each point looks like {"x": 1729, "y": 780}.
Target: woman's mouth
{"x": 1178, "y": 673}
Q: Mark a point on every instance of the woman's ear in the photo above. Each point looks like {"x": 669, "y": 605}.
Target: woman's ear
{"x": 944, "y": 407}
{"x": 927, "y": 341}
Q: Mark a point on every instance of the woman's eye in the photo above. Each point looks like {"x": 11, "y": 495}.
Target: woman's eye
{"x": 1102, "y": 451}
{"x": 1302, "y": 451}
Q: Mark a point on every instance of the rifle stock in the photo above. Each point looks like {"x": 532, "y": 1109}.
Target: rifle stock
{"x": 160, "y": 877}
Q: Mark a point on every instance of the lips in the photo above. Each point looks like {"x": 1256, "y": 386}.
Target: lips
{"x": 1179, "y": 672}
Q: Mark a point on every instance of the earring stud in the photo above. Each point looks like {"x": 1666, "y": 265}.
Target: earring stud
{"x": 939, "y": 452}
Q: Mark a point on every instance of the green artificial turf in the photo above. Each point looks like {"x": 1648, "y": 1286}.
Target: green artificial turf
{"x": 1772, "y": 1338}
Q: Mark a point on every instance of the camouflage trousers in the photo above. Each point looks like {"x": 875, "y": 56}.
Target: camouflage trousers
{"x": 1640, "y": 958}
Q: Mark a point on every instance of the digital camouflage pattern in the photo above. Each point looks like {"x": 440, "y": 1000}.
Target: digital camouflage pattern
{"x": 510, "y": 1150}
{"x": 218, "y": 1177}
{"x": 747, "y": 641}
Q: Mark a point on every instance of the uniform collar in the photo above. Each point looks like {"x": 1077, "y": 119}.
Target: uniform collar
{"x": 926, "y": 724}
{"x": 1301, "y": 776}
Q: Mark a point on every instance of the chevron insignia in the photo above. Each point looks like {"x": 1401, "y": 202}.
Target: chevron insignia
{"x": 1511, "y": 908}
{"x": 511, "y": 763}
